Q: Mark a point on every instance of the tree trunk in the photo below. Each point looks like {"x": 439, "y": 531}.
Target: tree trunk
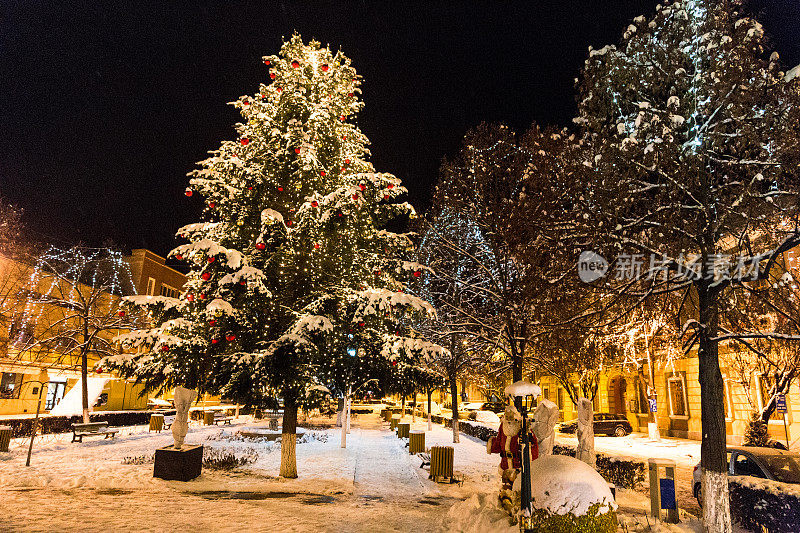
{"x": 713, "y": 457}
{"x": 414, "y": 406}
{"x": 655, "y": 434}
{"x": 289, "y": 438}
{"x": 85, "y": 384}
{"x": 430, "y": 396}
{"x": 404, "y": 406}
{"x": 454, "y": 396}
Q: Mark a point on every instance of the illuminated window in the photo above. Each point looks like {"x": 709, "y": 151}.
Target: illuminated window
{"x": 677, "y": 396}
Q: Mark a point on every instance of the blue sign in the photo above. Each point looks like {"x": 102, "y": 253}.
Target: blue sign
{"x": 780, "y": 404}
{"x": 667, "y": 493}
{"x": 653, "y": 405}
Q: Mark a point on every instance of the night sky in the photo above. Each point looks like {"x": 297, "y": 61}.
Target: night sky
{"x": 105, "y": 106}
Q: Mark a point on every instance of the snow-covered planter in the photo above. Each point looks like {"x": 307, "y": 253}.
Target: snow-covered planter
{"x": 567, "y": 495}
{"x": 764, "y": 505}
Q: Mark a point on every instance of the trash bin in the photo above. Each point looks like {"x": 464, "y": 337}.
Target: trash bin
{"x": 662, "y": 490}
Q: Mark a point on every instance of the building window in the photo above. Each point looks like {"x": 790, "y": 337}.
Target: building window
{"x": 21, "y": 332}
{"x": 10, "y": 384}
{"x": 765, "y": 384}
{"x": 728, "y": 399}
{"x": 546, "y": 393}
{"x": 151, "y": 287}
{"x": 644, "y": 405}
{"x": 560, "y": 399}
{"x": 166, "y": 290}
{"x": 677, "y": 396}
{"x": 596, "y": 402}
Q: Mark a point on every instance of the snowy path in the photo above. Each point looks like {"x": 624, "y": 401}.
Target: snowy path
{"x": 372, "y": 485}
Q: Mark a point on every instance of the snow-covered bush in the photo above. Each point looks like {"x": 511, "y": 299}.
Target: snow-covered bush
{"x": 624, "y": 473}
{"x": 567, "y": 495}
{"x": 484, "y": 417}
{"x": 764, "y": 505}
{"x": 227, "y": 458}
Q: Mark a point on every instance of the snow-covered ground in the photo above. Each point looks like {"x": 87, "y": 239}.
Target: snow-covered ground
{"x": 372, "y": 485}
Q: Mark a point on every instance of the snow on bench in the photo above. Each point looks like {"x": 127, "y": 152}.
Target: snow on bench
{"x": 92, "y": 429}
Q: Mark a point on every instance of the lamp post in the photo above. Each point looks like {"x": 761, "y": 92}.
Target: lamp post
{"x": 527, "y": 393}
{"x": 42, "y": 383}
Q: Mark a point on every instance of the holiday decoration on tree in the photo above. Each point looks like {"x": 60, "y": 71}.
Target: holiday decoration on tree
{"x": 303, "y": 237}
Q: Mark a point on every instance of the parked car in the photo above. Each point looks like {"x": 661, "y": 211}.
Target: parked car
{"x": 495, "y": 407}
{"x": 604, "y": 423}
{"x": 766, "y": 463}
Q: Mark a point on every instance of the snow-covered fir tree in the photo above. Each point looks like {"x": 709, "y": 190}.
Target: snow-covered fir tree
{"x": 694, "y": 131}
{"x": 293, "y": 264}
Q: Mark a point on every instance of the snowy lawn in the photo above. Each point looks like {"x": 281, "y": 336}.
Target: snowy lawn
{"x": 372, "y": 485}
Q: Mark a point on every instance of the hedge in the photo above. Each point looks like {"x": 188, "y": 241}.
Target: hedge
{"x": 624, "y": 473}
{"x": 22, "y": 427}
{"x": 763, "y": 505}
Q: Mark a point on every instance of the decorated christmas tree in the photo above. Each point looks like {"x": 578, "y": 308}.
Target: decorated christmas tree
{"x": 292, "y": 267}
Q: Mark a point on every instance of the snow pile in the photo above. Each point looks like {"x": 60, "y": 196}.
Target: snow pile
{"x": 479, "y": 513}
{"x": 487, "y": 417}
{"x": 562, "y": 484}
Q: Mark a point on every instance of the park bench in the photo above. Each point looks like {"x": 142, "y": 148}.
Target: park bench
{"x": 92, "y": 429}
{"x": 426, "y": 459}
{"x": 221, "y": 417}
{"x": 168, "y": 420}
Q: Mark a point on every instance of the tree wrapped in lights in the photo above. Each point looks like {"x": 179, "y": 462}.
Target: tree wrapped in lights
{"x": 293, "y": 255}
{"x": 72, "y": 309}
{"x": 694, "y": 135}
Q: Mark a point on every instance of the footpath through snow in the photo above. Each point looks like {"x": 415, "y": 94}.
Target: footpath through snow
{"x": 372, "y": 485}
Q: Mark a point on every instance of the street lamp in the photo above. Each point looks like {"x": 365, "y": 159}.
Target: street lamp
{"x": 527, "y": 393}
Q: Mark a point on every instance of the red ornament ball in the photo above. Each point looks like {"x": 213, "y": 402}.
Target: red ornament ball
{"x": 394, "y": 363}
{"x": 346, "y": 161}
{"x": 362, "y": 186}
{"x": 390, "y": 186}
{"x": 188, "y": 192}
{"x": 243, "y": 282}
{"x": 322, "y": 174}
{"x": 297, "y": 150}
{"x": 350, "y": 95}
{"x": 280, "y": 189}
{"x": 246, "y": 102}
{"x": 314, "y": 203}
{"x": 121, "y": 313}
{"x": 417, "y": 273}
{"x": 361, "y": 324}
{"x": 250, "y": 188}
{"x": 342, "y": 118}
{"x": 98, "y": 370}
{"x": 290, "y": 223}
{"x": 316, "y": 246}
{"x": 212, "y": 322}
{"x": 279, "y": 89}
{"x": 295, "y": 64}
{"x": 179, "y": 257}
{"x": 230, "y": 337}
{"x": 202, "y": 296}
{"x": 164, "y": 348}
{"x": 260, "y": 246}
{"x": 212, "y": 205}
{"x": 206, "y": 276}
{"x": 211, "y": 259}
{"x": 214, "y": 341}
{"x": 325, "y": 68}
{"x": 272, "y": 75}
{"x": 245, "y": 141}
{"x": 190, "y": 297}
{"x": 266, "y": 61}
{"x": 385, "y": 196}
{"x": 355, "y": 196}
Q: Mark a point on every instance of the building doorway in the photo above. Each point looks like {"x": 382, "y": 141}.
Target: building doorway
{"x": 55, "y": 392}
{"x": 617, "y": 392}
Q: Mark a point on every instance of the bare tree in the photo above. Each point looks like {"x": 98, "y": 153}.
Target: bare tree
{"x": 72, "y": 309}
